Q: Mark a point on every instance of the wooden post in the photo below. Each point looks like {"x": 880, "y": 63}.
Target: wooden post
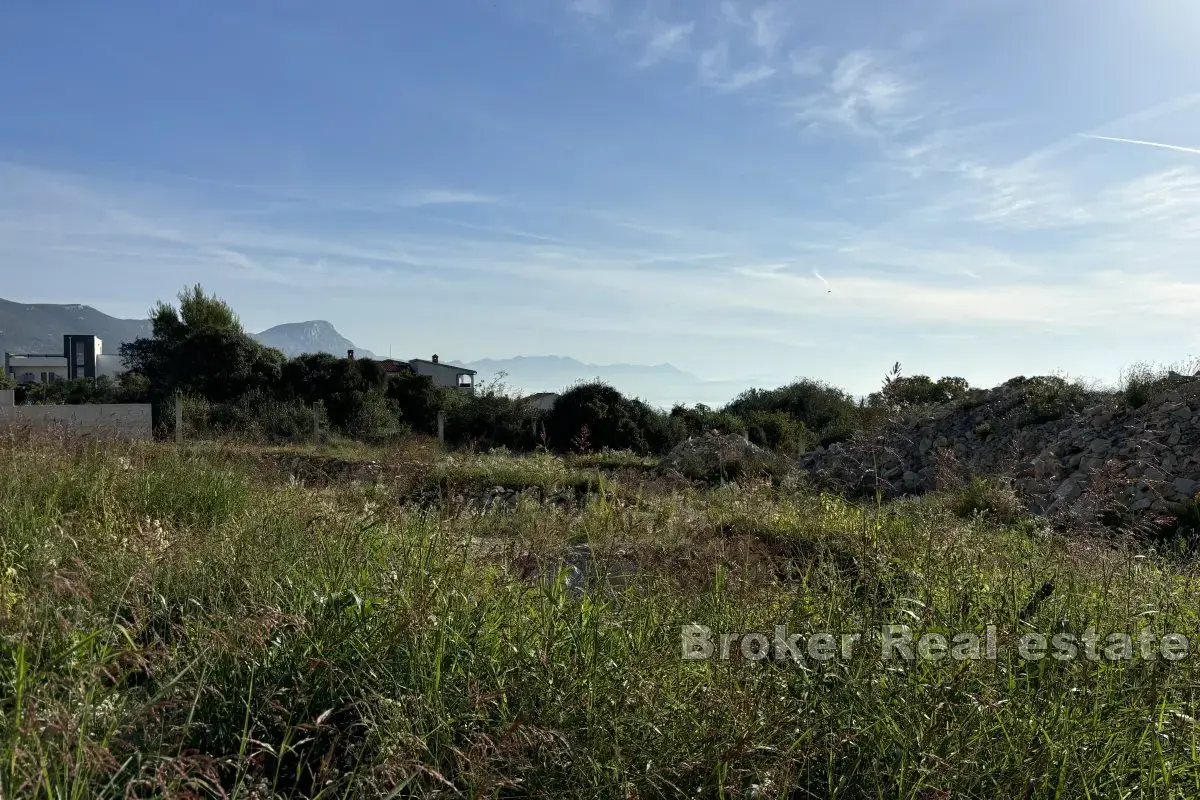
{"x": 179, "y": 418}
{"x": 316, "y": 412}
{"x": 442, "y": 427}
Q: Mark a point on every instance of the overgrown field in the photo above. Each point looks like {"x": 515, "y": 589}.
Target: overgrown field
{"x": 198, "y": 622}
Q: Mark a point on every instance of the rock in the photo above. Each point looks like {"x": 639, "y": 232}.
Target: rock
{"x": 1186, "y": 486}
{"x": 1160, "y": 440}
{"x": 714, "y": 457}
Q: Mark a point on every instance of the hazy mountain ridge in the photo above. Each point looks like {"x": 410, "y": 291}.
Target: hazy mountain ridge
{"x": 313, "y": 336}
{"x": 660, "y": 384}
{"x": 39, "y": 328}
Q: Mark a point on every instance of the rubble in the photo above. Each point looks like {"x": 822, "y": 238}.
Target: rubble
{"x": 1148, "y": 456}
{"x": 713, "y": 456}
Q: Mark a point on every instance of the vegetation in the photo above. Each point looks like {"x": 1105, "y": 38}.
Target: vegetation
{"x": 181, "y": 622}
{"x": 901, "y": 392}
{"x": 232, "y": 385}
{"x": 1142, "y": 381}
{"x": 207, "y": 620}
{"x": 1051, "y": 397}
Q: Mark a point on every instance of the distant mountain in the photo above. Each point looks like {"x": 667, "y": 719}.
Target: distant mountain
{"x": 39, "y": 328}
{"x": 314, "y": 336}
{"x": 660, "y": 384}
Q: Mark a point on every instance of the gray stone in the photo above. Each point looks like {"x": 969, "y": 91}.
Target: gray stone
{"x": 1186, "y": 486}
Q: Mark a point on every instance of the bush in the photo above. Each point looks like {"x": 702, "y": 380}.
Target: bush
{"x": 1050, "y": 397}
{"x": 701, "y": 419}
{"x": 594, "y": 416}
{"x": 256, "y": 416}
{"x": 489, "y": 419}
{"x": 994, "y": 498}
{"x": 775, "y": 430}
{"x": 918, "y": 390}
{"x": 375, "y": 418}
{"x": 826, "y": 409}
{"x": 416, "y": 400}
{"x": 1142, "y": 382}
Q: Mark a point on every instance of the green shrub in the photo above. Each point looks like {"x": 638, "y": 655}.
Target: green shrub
{"x": 489, "y": 418}
{"x": 1142, "y": 381}
{"x": 1050, "y": 397}
{"x": 700, "y": 419}
{"x": 594, "y": 416}
{"x": 776, "y": 430}
{"x": 993, "y": 498}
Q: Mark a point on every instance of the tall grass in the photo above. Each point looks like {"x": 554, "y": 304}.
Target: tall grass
{"x": 175, "y": 623}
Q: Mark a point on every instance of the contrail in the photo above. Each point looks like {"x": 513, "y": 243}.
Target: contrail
{"x": 1192, "y": 150}
{"x": 822, "y": 280}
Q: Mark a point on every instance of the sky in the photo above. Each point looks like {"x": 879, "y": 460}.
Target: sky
{"x": 750, "y": 190}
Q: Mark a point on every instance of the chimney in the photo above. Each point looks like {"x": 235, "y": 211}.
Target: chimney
{"x": 350, "y": 355}
{"x": 435, "y": 358}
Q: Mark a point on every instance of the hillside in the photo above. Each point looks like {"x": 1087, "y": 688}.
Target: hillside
{"x": 314, "y": 336}
{"x": 660, "y": 384}
{"x": 39, "y": 328}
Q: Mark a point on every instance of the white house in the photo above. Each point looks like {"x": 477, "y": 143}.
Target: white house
{"x": 446, "y": 375}
{"x": 82, "y": 357}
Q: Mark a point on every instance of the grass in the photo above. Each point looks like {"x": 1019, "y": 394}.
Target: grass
{"x": 180, "y": 623}
{"x": 1142, "y": 381}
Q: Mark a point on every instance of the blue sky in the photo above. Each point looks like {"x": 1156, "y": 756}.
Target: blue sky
{"x": 749, "y": 190}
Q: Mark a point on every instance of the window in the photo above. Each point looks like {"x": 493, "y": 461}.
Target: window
{"x": 464, "y": 381}
{"x": 44, "y": 378}
{"x": 79, "y": 354}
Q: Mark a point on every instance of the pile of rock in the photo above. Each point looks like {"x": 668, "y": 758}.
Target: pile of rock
{"x": 1152, "y": 452}
{"x": 714, "y": 456}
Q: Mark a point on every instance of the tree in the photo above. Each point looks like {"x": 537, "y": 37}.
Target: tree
{"x": 416, "y": 399}
{"x": 593, "y": 416}
{"x": 901, "y": 392}
{"x": 348, "y": 388}
{"x": 199, "y": 348}
{"x": 828, "y": 411}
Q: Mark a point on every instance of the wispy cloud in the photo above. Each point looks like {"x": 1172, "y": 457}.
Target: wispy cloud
{"x": 862, "y": 95}
{"x": 714, "y": 70}
{"x": 771, "y": 24}
{"x": 445, "y": 197}
{"x": 1177, "y": 148}
{"x": 661, "y": 40}
{"x": 593, "y": 8}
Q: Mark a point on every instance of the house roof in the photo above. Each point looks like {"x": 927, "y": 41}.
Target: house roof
{"x": 393, "y": 365}
{"x": 443, "y": 364}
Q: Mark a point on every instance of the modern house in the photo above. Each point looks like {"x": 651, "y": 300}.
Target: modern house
{"x": 446, "y": 375}
{"x": 82, "y": 356}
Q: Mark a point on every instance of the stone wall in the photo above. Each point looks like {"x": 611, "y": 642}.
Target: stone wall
{"x": 116, "y": 421}
{"x": 1145, "y": 458}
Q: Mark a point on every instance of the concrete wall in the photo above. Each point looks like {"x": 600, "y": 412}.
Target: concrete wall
{"x": 127, "y": 421}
